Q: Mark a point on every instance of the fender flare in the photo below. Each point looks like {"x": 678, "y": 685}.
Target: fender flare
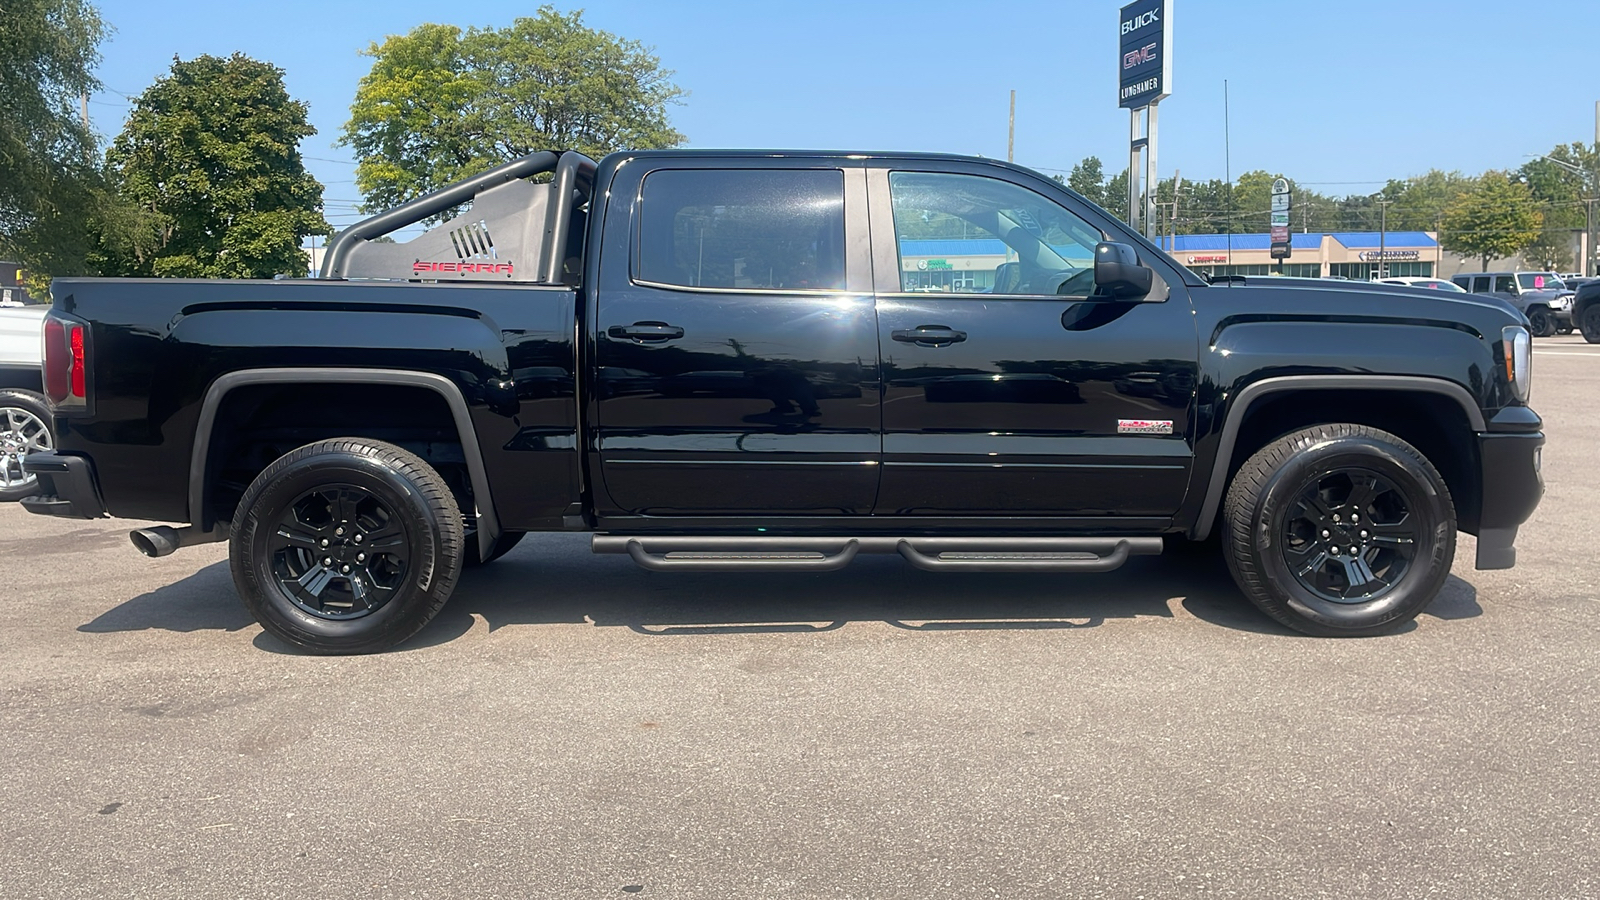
{"x": 488, "y": 523}
{"x": 1256, "y": 390}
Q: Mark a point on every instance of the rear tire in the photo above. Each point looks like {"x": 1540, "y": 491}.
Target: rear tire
{"x": 25, "y": 427}
{"x": 1299, "y": 507}
{"x": 346, "y": 546}
{"x": 1540, "y": 322}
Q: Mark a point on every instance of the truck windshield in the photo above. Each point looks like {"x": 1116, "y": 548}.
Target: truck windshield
{"x": 1540, "y": 281}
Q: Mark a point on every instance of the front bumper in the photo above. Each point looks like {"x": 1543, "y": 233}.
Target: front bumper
{"x": 67, "y": 487}
{"x": 1512, "y": 488}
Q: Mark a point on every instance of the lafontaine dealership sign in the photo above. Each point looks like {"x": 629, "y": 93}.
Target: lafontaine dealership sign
{"x": 1144, "y": 63}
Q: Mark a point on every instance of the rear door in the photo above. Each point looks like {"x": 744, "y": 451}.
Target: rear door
{"x": 1008, "y": 389}
{"x": 736, "y": 341}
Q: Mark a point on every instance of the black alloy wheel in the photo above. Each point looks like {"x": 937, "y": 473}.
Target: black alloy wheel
{"x": 1349, "y": 536}
{"x": 1339, "y": 530}
{"x": 340, "y": 552}
{"x": 346, "y": 546}
{"x": 1540, "y": 322}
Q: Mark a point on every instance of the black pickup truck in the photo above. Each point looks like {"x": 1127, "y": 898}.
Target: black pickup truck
{"x": 753, "y": 361}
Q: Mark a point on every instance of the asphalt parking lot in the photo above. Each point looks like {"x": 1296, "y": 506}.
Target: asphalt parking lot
{"x": 572, "y": 726}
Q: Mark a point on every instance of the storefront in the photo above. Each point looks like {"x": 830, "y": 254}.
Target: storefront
{"x": 968, "y": 266}
{"x": 12, "y": 291}
{"x": 1358, "y": 256}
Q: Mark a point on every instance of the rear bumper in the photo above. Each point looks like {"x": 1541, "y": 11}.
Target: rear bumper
{"x": 67, "y": 487}
{"x": 1512, "y": 488}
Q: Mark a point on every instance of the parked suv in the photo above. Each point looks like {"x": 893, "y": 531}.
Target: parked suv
{"x": 1541, "y": 296}
{"x": 1586, "y": 310}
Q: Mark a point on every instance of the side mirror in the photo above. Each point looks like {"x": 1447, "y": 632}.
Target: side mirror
{"x": 1117, "y": 272}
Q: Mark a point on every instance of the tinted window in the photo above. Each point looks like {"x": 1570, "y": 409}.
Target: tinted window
{"x": 743, "y": 229}
{"x": 1540, "y": 281}
{"x": 1505, "y": 284}
{"x": 971, "y": 234}
{"x": 1480, "y": 285}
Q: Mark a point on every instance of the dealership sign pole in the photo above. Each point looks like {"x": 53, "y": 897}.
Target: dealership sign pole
{"x": 1282, "y": 203}
{"x": 1144, "y": 79}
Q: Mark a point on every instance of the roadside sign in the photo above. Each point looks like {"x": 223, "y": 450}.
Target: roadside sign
{"x": 1144, "y": 54}
{"x": 1282, "y": 205}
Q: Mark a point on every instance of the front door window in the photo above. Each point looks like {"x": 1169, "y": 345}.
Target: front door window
{"x": 968, "y": 234}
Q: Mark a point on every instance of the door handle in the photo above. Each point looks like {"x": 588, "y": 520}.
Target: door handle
{"x": 931, "y": 335}
{"x": 650, "y": 332}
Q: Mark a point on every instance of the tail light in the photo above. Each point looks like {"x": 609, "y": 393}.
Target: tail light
{"x": 66, "y": 363}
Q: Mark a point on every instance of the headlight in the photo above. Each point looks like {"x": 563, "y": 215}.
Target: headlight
{"x": 1518, "y": 348}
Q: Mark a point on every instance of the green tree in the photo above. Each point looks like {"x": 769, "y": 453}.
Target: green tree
{"x": 1116, "y": 195}
{"x": 48, "y": 174}
{"x": 1550, "y": 250}
{"x": 441, "y": 104}
{"x": 1089, "y": 179}
{"x": 1418, "y": 204}
{"x": 1560, "y": 183}
{"x": 1495, "y": 219}
{"x": 209, "y": 166}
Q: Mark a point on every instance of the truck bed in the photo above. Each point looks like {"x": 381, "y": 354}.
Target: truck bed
{"x": 158, "y": 347}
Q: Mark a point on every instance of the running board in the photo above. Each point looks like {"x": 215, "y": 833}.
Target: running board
{"x": 757, "y": 553}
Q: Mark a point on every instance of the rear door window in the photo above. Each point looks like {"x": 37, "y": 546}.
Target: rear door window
{"x": 742, "y": 229}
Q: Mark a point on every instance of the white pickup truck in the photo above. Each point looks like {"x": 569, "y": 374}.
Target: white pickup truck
{"x": 24, "y": 417}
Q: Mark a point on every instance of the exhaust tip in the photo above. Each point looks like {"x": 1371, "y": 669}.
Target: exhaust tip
{"x": 155, "y": 542}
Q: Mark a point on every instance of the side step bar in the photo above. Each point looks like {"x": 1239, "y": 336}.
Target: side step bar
{"x": 757, "y": 553}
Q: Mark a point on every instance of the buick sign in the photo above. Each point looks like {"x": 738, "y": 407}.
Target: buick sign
{"x": 1144, "y": 56}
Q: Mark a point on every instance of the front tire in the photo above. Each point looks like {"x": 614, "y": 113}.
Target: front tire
{"x": 25, "y": 424}
{"x": 346, "y": 546}
{"x": 1589, "y": 323}
{"x": 1339, "y": 531}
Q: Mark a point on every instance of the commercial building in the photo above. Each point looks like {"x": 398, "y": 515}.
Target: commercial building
{"x": 12, "y": 291}
{"x": 968, "y": 265}
{"x": 1358, "y": 255}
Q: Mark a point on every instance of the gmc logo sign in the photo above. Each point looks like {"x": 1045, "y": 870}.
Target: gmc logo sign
{"x": 421, "y": 267}
{"x": 1139, "y": 57}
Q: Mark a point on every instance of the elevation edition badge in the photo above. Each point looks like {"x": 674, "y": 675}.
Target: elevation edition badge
{"x": 1144, "y": 426}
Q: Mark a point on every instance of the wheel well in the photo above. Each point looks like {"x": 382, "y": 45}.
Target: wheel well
{"x": 1433, "y": 423}
{"x": 257, "y": 423}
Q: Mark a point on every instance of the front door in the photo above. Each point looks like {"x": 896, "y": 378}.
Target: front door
{"x": 1009, "y": 390}
{"x": 736, "y": 343}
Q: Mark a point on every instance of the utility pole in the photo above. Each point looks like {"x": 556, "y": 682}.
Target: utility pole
{"x": 1383, "y": 238}
{"x": 83, "y": 103}
{"x": 1172, "y": 223}
{"x": 1589, "y": 263}
{"x": 1011, "y": 134}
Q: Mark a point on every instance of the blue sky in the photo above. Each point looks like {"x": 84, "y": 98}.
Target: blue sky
{"x": 1340, "y": 95}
